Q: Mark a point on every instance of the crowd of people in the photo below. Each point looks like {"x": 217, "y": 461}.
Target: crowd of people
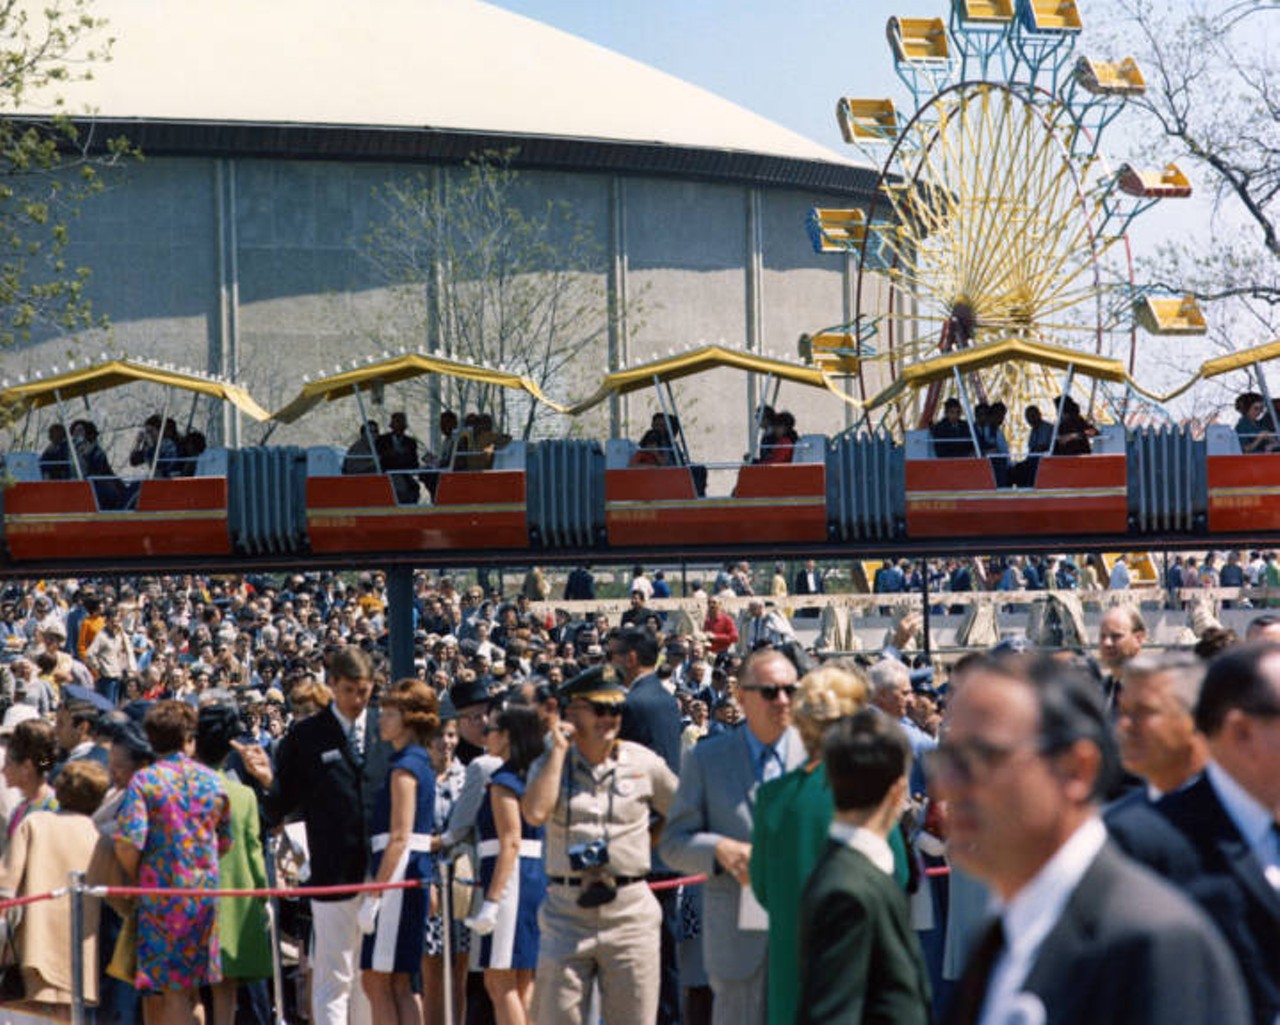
{"x": 571, "y": 774}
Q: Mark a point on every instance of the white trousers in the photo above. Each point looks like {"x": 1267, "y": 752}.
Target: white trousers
{"x": 336, "y": 992}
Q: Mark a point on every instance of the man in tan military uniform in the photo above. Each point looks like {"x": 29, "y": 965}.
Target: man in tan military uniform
{"x": 599, "y": 922}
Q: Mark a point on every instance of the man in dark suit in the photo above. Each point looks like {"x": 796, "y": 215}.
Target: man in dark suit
{"x": 808, "y": 581}
{"x": 328, "y": 768}
{"x": 859, "y": 958}
{"x": 1083, "y": 934}
{"x": 1229, "y": 815}
{"x": 651, "y": 716}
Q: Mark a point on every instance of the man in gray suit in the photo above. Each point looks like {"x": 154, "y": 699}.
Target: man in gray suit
{"x": 709, "y": 830}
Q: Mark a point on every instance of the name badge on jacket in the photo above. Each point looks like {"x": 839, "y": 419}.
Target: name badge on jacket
{"x": 329, "y": 757}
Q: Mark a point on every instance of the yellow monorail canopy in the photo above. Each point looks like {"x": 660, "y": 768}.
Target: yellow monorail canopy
{"x": 1240, "y": 360}
{"x": 697, "y": 361}
{"x": 1009, "y": 350}
{"x": 96, "y": 377}
{"x": 392, "y": 369}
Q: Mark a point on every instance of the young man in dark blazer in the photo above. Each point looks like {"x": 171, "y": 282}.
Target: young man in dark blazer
{"x": 328, "y": 769}
{"x": 860, "y": 961}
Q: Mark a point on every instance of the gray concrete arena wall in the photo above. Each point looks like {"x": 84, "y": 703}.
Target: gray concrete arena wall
{"x": 255, "y": 265}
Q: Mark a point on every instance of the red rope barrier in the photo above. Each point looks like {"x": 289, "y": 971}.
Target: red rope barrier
{"x": 35, "y": 898}
{"x": 671, "y": 884}
{"x": 280, "y": 891}
{"x": 324, "y": 891}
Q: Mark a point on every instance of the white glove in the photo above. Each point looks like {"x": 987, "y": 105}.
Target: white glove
{"x": 368, "y": 914}
{"x": 485, "y": 922}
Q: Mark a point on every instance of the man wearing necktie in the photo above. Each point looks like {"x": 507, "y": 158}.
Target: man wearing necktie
{"x": 1082, "y": 933}
{"x": 328, "y": 768}
{"x": 709, "y": 831}
{"x": 1228, "y": 815}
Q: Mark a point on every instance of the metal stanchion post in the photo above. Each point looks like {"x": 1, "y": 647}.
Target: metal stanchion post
{"x": 75, "y": 892}
{"x": 446, "y": 923}
{"x": 277, "y": 972}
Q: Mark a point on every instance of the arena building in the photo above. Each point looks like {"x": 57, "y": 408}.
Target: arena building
{"x": 235, "y": 245}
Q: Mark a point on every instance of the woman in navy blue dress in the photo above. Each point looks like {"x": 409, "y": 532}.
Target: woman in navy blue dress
{"x": 403, "y": 821}
{"x": 511, "y": 872}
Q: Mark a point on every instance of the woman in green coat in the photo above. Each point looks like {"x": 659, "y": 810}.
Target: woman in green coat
{"x": 243, "y": 932}
{"x": 792, "y": 816}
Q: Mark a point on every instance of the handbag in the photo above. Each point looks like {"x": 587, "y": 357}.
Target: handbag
{"x": 12, "y": 987}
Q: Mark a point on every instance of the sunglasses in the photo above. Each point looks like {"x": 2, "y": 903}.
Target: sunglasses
{"x": 771, "y": 693}
{"x": 605, "y": 707}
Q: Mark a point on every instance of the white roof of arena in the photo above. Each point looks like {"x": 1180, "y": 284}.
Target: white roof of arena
{"x": 458, "y": 65}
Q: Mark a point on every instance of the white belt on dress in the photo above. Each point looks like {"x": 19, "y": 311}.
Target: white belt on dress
{"x": 420, "y": 842}
{"x": 491, "y": 848}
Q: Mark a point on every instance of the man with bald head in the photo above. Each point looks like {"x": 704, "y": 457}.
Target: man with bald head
{"x": 709, "y": 830}
{"x": 1121, "y": 635}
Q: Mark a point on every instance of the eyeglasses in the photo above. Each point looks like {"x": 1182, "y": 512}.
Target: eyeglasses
{"x": 972, "y": 760}
{"x": 771, "y": 693}
{"x": 473, "y": 716}
{"x": 601, "y": 708}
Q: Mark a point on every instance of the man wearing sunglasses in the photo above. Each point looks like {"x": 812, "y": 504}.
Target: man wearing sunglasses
{"x": 709, "y": 830}
{"x": 1082, "y": 934}
{"x": 597, "y": 796}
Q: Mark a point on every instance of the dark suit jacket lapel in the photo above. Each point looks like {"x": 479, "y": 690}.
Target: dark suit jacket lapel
{"x": 1071, "y": 941}
{"x": 1235, "y": 852}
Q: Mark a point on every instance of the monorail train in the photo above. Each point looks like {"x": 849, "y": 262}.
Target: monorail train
{"x": 861, "y": 490}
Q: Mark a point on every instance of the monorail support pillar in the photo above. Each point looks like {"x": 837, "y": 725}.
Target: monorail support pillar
{"x": 924, "y": 608}
{"x": 400, "y": 620}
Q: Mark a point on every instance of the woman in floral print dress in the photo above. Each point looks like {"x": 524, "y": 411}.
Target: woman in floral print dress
{"x": 173, "y": 825}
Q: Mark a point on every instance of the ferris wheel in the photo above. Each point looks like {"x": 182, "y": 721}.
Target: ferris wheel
{"x": 995, "y": 214}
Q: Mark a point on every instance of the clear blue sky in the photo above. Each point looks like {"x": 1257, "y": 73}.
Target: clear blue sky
{"x": 788, "y": 60}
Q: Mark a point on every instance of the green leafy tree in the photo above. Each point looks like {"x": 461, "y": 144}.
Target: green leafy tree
{"x": 491, "y": 275}
{"x": 48, "y": 165}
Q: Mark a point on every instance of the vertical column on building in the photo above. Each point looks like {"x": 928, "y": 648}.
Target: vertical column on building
{"x": 434, "y": 340}
{"x": 619, "y": 348}
{"x": 754, "y": 268}
{"x": 224, "y": 347}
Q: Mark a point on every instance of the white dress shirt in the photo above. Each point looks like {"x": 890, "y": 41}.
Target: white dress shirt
{"x": 1033, "y": 913}
{"x": 355, "y": 731}
{"x": 1250, "y": 818}
{"x": 874, "y": 846}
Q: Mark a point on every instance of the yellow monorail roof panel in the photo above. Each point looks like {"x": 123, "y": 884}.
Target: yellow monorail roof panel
{"x": 867, "y": 119}
{"x": 918, "y": 39}
{"x": 990, "y": 11}
{"x": 1178, "y": 315}
{"x": 1105, "y": 78}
